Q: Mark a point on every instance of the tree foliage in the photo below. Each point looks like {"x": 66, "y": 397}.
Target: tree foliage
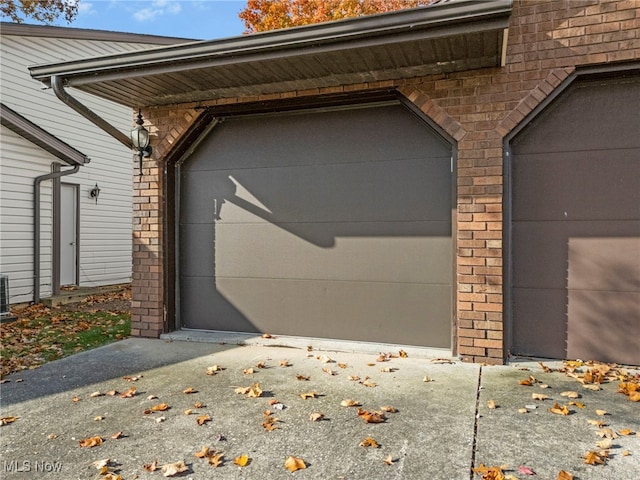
{"x": 44, "y": 11}
{"x": 265, "y": 15}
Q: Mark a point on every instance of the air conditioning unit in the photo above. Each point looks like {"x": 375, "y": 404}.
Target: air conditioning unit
{"x": 4, "y": 296}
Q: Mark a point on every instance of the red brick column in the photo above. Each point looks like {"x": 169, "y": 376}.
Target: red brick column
{"x": 147, "y": 306}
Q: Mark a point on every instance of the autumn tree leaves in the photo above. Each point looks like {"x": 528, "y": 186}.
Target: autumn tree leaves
{"x": 265, "y": 15}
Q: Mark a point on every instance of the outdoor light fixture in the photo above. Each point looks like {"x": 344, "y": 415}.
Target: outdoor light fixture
{"x": 95, "y": 192}
{"x": 140, "y": 140}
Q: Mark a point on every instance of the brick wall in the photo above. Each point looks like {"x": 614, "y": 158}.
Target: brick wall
{"x": 546, "y": 41}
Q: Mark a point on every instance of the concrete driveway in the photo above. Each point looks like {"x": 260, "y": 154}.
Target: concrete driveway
{"x": 441, "y": 428}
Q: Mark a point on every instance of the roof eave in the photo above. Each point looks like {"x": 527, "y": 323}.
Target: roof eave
{"x": 40, "y": 137}
{"x": 439, "y": 20}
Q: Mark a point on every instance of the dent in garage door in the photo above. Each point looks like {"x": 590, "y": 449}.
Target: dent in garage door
{"x": 332, "y": 223}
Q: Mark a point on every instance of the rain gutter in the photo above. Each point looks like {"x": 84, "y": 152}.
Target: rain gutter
{"x": 455, "y": 17}
{"x": 57, "y": 83}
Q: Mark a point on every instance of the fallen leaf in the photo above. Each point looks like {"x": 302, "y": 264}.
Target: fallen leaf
{"x": 189, "y": 390}
{"x": 199, "y": 405}
{"x": 7, "y": 420}
{"x": 353, "y": 378}
{"x": 99, "y": 464}
{"x": 152, "y": 397}
{"x": 577, "y": 404}
{"x": 261, "y": 365}
{"x": 597, "y": 423}
{"x": 52, "y": 436}
{"x": 368, "y": 383}
{"x": 626, "y": 431}
{"x": 269, "y": 423}
{"x": 316, "y": 417}
{"x": 626, "y": 453}
{"x": 544, "y": 385}
{"x": 605, "y": 443}
{"x": 214, "y": 369}
{"x": 389, "y": 409}
{"x": 294, "y": 463}
{"x": 441, "y": 360}
{"x": 371, "y": 417}
{"x": 539, "y": 396}
{"x": 388, "y": 460}
{"x": 188, "y": 411}
{"x": 106, "y": 475}
{"x": 545, "y": 369}
{"x": 203, "y": 453}
{"x": 427, "y": 378}
{"x": 349, "y": 403}
{"x": 560, "y": 410}
{"x": 324, "y": 359}
{"x": 526, "y": 470}
{"x": 96, "y": 394}
{"x": 171, "y": 469}
{"x": 369, "y": 442}
{"x": 342, "y": 365}
{"x": 216, "y": 460}
{"x": 309, "y": 395}
{"x": 634, "y": 397}
{"x": 523, "y": 410}
{"x": 242, "y": 460}
{"x": 595, "y": 458}
{"x": 267, "y": 335}
{"x": 606, "y": 433}
{"x": 91, "y": 442}
{"x": 117, "y": 435}
{"x": 160, "y": 419}
{"x": 594, "y": 388}
{"x": 284, "y": 363}
{"x": 132, "y": 379}
{"x": 564, "y": 475}
{"x": 601, "y": 412}
{"x": 161, "y": 407}
{"x": 403, "y": 354}
{"x": 254, "y": 391}
{"x": 98, "y": 418}
{"x": 302, "y": 378}
{"x": 247, "y": 371}
{"x": 388, "y": 369}
{"x": 489, "y": 473}
{"x": 151, "y": 467}
{"x": 112, "y": 393}
{"x": 328, "y": 371}
{"x": 129, "y": 393}
{"x": 202, "y": 419}
{"x": 75, "y": 399}
{"x": 570, "y": 394}
{"x": 492, "y": 404}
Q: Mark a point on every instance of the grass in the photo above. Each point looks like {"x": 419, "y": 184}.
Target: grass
{"x": 42, "y": 335}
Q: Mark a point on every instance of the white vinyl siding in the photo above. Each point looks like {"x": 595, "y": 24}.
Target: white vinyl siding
{"x": 21, "y": 163}
{"x": 105, "y": 227}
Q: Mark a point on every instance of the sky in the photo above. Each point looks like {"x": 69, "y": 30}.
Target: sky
{"x": 194, "y": 19}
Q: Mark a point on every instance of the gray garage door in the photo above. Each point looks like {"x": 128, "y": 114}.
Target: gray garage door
{"x": 576, "y": 226}
{"x": 320, "y": 223}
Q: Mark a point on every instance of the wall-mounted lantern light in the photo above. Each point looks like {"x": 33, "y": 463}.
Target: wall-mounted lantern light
{"x": 140, "y": 140}
{"x": 95, "y": 192}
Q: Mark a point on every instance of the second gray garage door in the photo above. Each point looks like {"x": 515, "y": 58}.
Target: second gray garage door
{"x": 330, "y": 223}
{"x": 576, "y": 225}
